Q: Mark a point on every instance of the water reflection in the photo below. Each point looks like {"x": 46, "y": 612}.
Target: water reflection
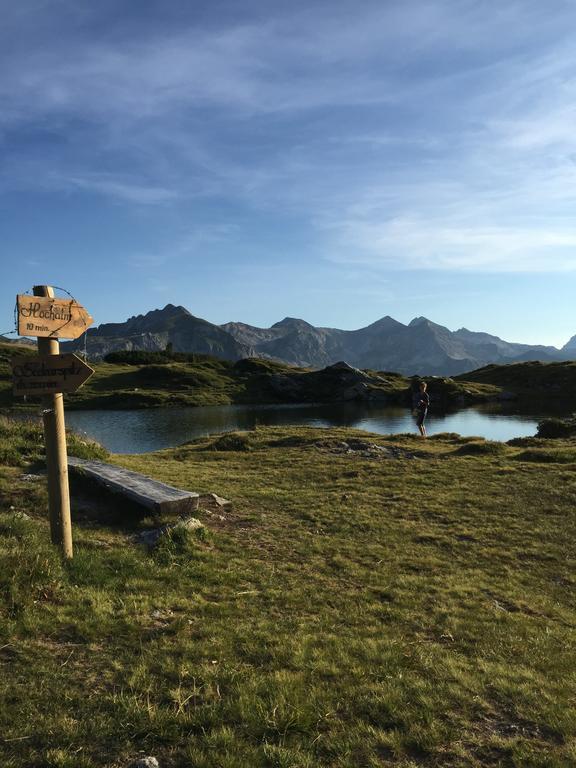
{"x": 149, "y": 430}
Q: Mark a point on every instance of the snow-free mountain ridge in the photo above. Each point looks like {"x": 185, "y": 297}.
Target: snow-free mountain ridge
{"x": 421, "y": 347}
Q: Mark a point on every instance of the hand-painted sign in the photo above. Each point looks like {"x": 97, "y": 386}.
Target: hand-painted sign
{"x": 53, "y": 318}
{"x": 49, "y": 374}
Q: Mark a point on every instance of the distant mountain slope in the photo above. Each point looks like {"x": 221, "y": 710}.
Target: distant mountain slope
{"x": 421, "y": 347}
{"x": 155, "y": 330}
{"x": 20, "y": 342}
{"x": 570, "y": 346}
{"x": 488, "y": 345}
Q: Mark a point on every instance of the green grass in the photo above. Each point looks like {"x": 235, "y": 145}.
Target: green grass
{"x": 208, "y": 381}
{"x": 22, "y": 444}
{"x": 348, "y": 611}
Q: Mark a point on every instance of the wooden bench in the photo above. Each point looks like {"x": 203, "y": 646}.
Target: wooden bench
{"x": 151, "y": 494}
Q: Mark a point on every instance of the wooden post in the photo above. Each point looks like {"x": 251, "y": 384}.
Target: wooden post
{"x": 56, "y": 452}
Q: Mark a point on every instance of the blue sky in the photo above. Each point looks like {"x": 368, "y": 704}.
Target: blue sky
{"x": 335, "y": 161}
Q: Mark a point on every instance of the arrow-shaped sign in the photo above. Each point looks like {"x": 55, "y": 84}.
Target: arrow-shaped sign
{"x": 52, "y": 318}
{"x": 48, "y": 375}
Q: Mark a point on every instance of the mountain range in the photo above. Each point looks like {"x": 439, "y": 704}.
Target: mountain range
{"x": 421, "y": 347}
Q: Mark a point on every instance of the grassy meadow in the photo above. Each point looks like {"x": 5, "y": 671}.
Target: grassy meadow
{"x": 357, "y": 607}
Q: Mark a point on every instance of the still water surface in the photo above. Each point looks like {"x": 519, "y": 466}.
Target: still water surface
{"x": 150, "y": 430}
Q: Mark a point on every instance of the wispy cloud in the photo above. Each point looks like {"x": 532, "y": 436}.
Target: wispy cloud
{"x": 434, "y": 134}
{"x": 119, "y": 188}
{"x": 420, "y": 244}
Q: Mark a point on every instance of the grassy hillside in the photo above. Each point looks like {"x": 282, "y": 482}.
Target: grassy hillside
{"x": 357, "y": 607}
{"x": 542, "y": 381}
{"x": 211, "y": 381}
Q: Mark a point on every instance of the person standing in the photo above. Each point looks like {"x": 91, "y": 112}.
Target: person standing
{"x": 421, "y": 404}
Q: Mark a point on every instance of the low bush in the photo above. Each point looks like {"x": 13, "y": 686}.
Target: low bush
{"x": 557, "y": 428}
{"x": 144, "y": 357}
{"x": 544, "y": 456}
{"x": 524, "y": 442}
{"x": 486, "y": 448}
{"x": 85, "y": 448}
{"x": 232, "y": 441}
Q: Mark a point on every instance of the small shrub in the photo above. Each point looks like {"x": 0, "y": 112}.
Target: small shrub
{"x": 524, "y": 442}
{"x": 249, "y": 365}
{"x": 85, "y": 448}
{"x": 557, "y": 428}
{"x": 486, "y": 448}
{"x": 10, "y": 456}
{"x": 547, "y": 457}
{"x": 232, "y": 441}
{"x": 143, "y": 357}
{"x": 178, "y": 542}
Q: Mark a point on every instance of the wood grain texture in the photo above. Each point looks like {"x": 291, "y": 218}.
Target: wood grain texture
{"x": 144, "y": 491}
{"x": 56, "y": 450}
{"x": 46, "y": 316}
{"x": 48, "y": 374}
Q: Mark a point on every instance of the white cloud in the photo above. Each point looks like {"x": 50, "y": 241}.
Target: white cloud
{"x": 415, "y": 243}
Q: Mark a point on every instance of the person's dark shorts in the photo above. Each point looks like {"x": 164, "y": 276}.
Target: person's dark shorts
{"x": 420, "y": 417}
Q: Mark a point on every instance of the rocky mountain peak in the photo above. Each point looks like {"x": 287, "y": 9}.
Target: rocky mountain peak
{"x": 385, "y": 322}
{"x": 418, "y": 321}
{"x": 292, "y": 322}
{"x": 173, "y": 309}
{"x": 169, "y": 311}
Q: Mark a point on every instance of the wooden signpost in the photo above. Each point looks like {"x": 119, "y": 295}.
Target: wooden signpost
{"x": 52, "y": 318}
{"x": 50, "y": 374}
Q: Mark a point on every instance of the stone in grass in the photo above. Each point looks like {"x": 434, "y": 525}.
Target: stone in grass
{"x": 145, "y": 762}
{"x": 188, "y": 523}
{"x": 215, "y": 500}
{"x": 151, "y": 538}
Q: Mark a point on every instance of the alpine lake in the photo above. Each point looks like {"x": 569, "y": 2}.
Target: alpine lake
{"x": 140, "y": 431}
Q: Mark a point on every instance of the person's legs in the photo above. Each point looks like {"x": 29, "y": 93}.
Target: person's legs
{"x": 420, "y": 423}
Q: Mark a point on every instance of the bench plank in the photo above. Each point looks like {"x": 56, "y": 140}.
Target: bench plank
{"x": 149, "y": 493}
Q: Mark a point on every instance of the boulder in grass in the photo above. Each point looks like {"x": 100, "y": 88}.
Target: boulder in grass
{"x": 213, "y": 500}
{"x": 145, "y": 762}
{"x": 187, "y": 524}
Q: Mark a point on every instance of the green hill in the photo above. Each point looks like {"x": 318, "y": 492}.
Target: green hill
{"x": 159, "y": 379}
{"x": 547, "y": 382}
